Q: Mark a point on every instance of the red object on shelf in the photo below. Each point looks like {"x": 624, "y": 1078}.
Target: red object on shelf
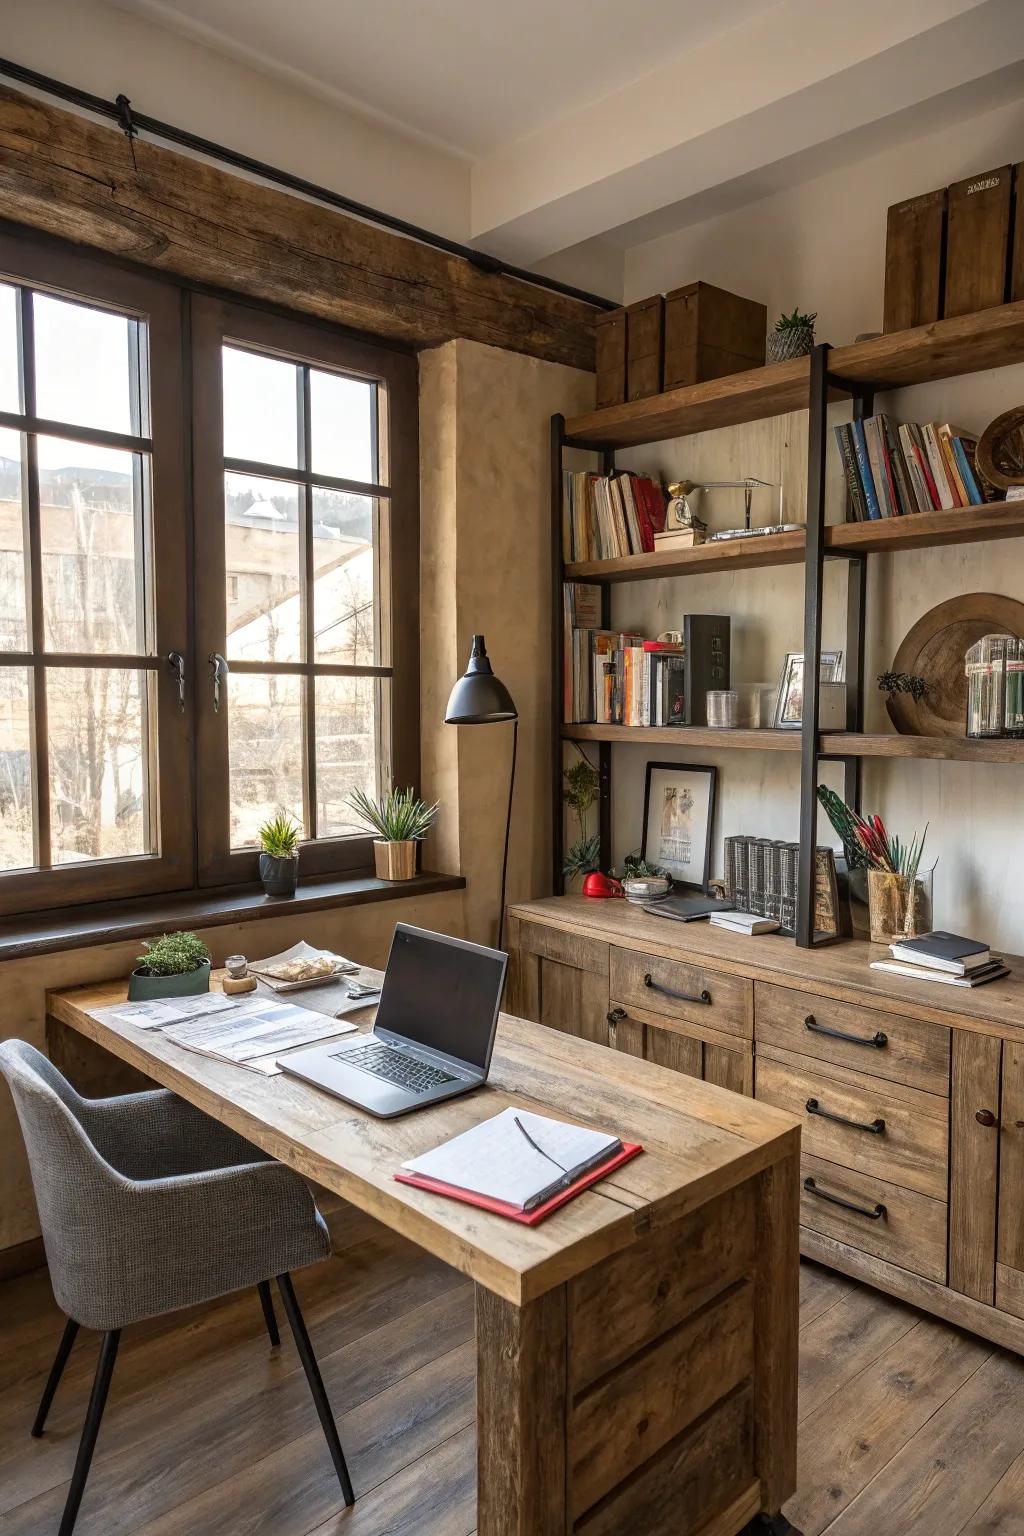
{"x": 630, "y": 1149}
{"x": 601, "y": 886}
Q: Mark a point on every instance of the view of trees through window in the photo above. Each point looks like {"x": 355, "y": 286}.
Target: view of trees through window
{"x": 80, "y": 789}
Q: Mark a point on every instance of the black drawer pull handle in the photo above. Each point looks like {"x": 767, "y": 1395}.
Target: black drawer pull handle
{"x": 848, "y": 1205}
{"x": 879, "y": 1040}
{"x": 873, "y": 1127}
{"x": 684, "y": 997}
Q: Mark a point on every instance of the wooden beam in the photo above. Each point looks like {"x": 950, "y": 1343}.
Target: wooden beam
{"x": 71, "y": 177}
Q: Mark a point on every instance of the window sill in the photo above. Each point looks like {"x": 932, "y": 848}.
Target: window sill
{"x": 46, "y": 933}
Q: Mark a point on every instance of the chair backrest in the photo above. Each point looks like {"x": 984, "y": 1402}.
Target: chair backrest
{"x": 72, "y": 1182}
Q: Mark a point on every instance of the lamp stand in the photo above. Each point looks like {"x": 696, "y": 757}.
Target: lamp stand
{"x": 508, "y": 829}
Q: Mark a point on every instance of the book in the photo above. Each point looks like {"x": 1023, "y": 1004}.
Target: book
{"x": 994, "y": 971}
{"x": 858, "y": 504}
{"x": 605, "y": 517}
{"x": 938, "y": 467}
{"x": 945, "y": 435}
{"x": 942, "y": 951}
{"x": 743, "y": 922}
{"x": 908, "y": 448}
{"x": 904, "y": 490}
{"x": 879, "y": 472}
{"x": 517, "y": 1158}
{"x": 966, "y": 468}
{"x": 921, "y": 453}
{"x": 864, "y": 470}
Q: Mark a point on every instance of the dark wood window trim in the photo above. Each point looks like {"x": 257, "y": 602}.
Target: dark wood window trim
{"x": 214, "y": 322}
{"x": 42, "y": 266}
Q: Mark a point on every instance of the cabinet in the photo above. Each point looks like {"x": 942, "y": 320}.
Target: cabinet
{"x": 911, "y": 1099}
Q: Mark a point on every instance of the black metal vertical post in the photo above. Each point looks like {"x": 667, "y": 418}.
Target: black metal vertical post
{"x": 604, "y": 750}
{"x": 856, "y": 629}
{"x": 813, "y": 570}
{"x": 557, "y": 656}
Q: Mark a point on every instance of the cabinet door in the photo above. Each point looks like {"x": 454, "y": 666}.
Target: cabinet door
{"x": 559, "y": 979}
{"x": 974, "y": 1163}
{"x": 668, "y": 1048}
{"x": 1010, "y": 1254}
{"x": 682, "y": 1047}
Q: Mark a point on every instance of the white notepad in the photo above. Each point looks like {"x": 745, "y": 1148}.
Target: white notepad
{"x": 497, "y": 1160}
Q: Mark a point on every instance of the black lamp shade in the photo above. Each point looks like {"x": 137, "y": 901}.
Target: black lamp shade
{"x": 479, "y": 698}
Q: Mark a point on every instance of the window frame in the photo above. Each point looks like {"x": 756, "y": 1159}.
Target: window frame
{"x": 214, "y": 323}
{"x": 69, "y": 274}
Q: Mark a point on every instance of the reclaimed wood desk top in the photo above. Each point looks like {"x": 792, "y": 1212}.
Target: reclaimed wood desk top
{"x": 699, "y": 1139}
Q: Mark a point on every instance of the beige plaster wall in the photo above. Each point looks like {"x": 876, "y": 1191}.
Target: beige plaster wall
{"x": 485, "y": 514}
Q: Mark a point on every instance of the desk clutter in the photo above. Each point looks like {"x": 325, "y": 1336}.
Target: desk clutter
{"x": 943, "y": 957}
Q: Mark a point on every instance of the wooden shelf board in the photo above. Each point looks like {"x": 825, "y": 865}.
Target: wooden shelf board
{"x": 991, "y": 338}
{"x": 921, "y": 530}
{"x": 687, "y": 736}
{"x": 954, "y": 749}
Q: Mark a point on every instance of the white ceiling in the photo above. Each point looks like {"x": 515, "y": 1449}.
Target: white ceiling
{"x": 466, "y": 74}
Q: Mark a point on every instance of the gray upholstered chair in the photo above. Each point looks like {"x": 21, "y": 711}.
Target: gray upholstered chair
{"x": 147, "y": 1205}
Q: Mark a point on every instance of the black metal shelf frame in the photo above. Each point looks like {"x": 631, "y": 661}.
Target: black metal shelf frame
{"x": 815, "y": 555}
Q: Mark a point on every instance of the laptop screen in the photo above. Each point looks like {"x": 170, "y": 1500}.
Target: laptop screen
{"x": 442, "y": 993}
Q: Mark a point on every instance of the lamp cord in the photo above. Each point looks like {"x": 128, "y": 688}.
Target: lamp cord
{"x": 508, "y": 829}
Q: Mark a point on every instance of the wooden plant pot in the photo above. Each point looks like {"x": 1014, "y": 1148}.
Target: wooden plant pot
{"x": 394, "y": 861}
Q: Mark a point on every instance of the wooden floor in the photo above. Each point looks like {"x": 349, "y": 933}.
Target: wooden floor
{"x": 908, "y": 1427}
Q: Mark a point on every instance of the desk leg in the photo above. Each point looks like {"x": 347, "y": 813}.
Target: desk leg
{"x": 521, "y": 1415}
{"x": 776, "y": 1334}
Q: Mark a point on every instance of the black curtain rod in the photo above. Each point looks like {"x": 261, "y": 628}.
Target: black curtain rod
{"x": 132, "y": 122}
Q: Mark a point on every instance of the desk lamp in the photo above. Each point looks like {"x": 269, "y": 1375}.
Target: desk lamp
{"x": 480, "y": 698}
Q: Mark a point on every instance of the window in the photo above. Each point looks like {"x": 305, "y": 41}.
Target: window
{"x": 308, "y": 620}
{"x": 181, "y": 658}
{"x": 90, "y": 493}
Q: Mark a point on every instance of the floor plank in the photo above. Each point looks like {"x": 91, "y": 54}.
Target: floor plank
{"x": 907, "y": 1425}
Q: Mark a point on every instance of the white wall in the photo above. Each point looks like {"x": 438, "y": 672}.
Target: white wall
{"x": 107, "y": 51}
{"x": 821, "y": 246}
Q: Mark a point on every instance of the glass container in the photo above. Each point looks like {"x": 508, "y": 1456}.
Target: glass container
{"x": 723, "y": 708}
{"x": 994, "y": 668}
{"x": 893, "y": 915}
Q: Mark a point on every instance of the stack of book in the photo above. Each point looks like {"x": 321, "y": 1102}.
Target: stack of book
{"x": 893, "y": 470}
{"x": 607, "y": 516}
{"x": 945, "y": 957}
{"x": 761, "y": 877}
{"x": 615, "y": 677}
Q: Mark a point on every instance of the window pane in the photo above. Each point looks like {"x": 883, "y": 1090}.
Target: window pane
{"x": 13, "y": 615}
{"x": 97, "y": 720}
{"x": 265, "y": 720}
{"x": 92, "y": 591}
{"x": 261, "y": 560}
{"x": 346, "y": 749}
{"x": 10, "y": 393}
{"x": 343, "y": 418}
{"x": 16, "y": 850}
{"x": 261, "y": 408}
{"x": 83, "y": 371}
{"x": 344, "y": 608}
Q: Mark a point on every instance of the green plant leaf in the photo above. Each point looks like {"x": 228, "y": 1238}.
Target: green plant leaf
{"x": 396, "y": 817}
{"x": 172, "y": 954}
{"x": 280, "y": 837}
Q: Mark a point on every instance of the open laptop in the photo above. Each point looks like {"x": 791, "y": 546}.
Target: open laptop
{"x": 433, "y": 1034}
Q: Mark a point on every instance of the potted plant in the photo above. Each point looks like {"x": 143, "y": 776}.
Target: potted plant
{"x": 643, "y": 881}
{"x": 279, "y": 855}
{"x": 579, "y": 790}
{"x": 792, "y": 336}
{"x": 401, "y": 821}
{"x": 175, "y": 965}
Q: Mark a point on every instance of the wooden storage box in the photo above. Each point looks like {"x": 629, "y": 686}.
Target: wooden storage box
{"x": 610, "y": 357}
{"x": 1017, "y": 255}
{"x": 645, "y": 339}
{"x": 710, "y": 332}
{"x": 978, "y": 241}
{"x": 915, "y": 261}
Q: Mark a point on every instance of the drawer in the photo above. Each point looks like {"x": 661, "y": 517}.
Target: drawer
{"x": 861, "y": 1123}
{"x": 909, "y": 1051}
{"x": 683, "y": 990}
{"x": 890, "y": 1223}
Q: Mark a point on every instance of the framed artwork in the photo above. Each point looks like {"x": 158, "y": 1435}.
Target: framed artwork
{"x": 679, "y": 809}
{"x": 789, "y": 706}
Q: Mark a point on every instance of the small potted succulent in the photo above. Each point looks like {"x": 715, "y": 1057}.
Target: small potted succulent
{"x": 175, "y": 965}
{"x": 792, "y": 336}
{"x": 279, "y": 855}
{"x": 641, "y": 881}
{"x": 400, "y": 821}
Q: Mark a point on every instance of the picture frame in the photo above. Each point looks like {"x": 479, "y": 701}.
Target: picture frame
{"x": 790, "y": 699}
{"x": 679, "y": 813}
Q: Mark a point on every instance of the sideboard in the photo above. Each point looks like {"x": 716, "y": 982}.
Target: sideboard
{"x": 911, "y": 1095}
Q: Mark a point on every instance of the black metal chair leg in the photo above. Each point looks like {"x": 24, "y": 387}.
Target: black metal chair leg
{"x": 56, "y": 1372}
{"x": 267, "y": 1302}
{"x": 91, "y": 1428}
{"x": 316, "y": 1385}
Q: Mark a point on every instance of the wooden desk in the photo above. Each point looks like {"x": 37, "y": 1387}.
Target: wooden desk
{"x": 637, "y": 1353}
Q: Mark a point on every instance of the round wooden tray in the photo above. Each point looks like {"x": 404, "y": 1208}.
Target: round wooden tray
{"x": 934, "y": 649}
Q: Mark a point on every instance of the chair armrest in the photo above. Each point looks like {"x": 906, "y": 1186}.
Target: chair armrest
{"x": 158, "y": 1135}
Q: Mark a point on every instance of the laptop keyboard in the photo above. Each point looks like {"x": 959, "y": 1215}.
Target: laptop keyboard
{"x": 396, "y": 1067}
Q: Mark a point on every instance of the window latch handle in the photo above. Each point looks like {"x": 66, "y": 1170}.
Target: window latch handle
{"x": 176, "y": 662}
{"x": 220, "y": 669}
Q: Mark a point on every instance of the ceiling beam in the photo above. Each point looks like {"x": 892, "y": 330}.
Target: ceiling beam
{"x": 69, "y": 176}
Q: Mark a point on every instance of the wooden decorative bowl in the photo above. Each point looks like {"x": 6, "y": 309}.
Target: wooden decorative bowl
{"x": 935, "y": 648}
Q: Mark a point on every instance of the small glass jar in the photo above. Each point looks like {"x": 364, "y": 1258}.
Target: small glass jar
{"x": 236, "y": 966}
{"x": 994, "y": 668}
{"x": 723, "y": 708}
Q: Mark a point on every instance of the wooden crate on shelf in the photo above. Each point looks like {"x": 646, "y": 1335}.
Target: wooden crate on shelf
{"x": 709, "y": 333}
{"x": 915, "y": 261}
{"x": 645, "y": 347}
{"x": 978, "y": 241}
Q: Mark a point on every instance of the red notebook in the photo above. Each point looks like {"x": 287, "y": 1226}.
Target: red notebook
{"x": 539, "y": 1212}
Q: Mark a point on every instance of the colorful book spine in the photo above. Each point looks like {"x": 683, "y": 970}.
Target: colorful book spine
{"x": 858, "y": 504}
{"x": 864, "y": 470}
{"x": 971, "y": 486}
